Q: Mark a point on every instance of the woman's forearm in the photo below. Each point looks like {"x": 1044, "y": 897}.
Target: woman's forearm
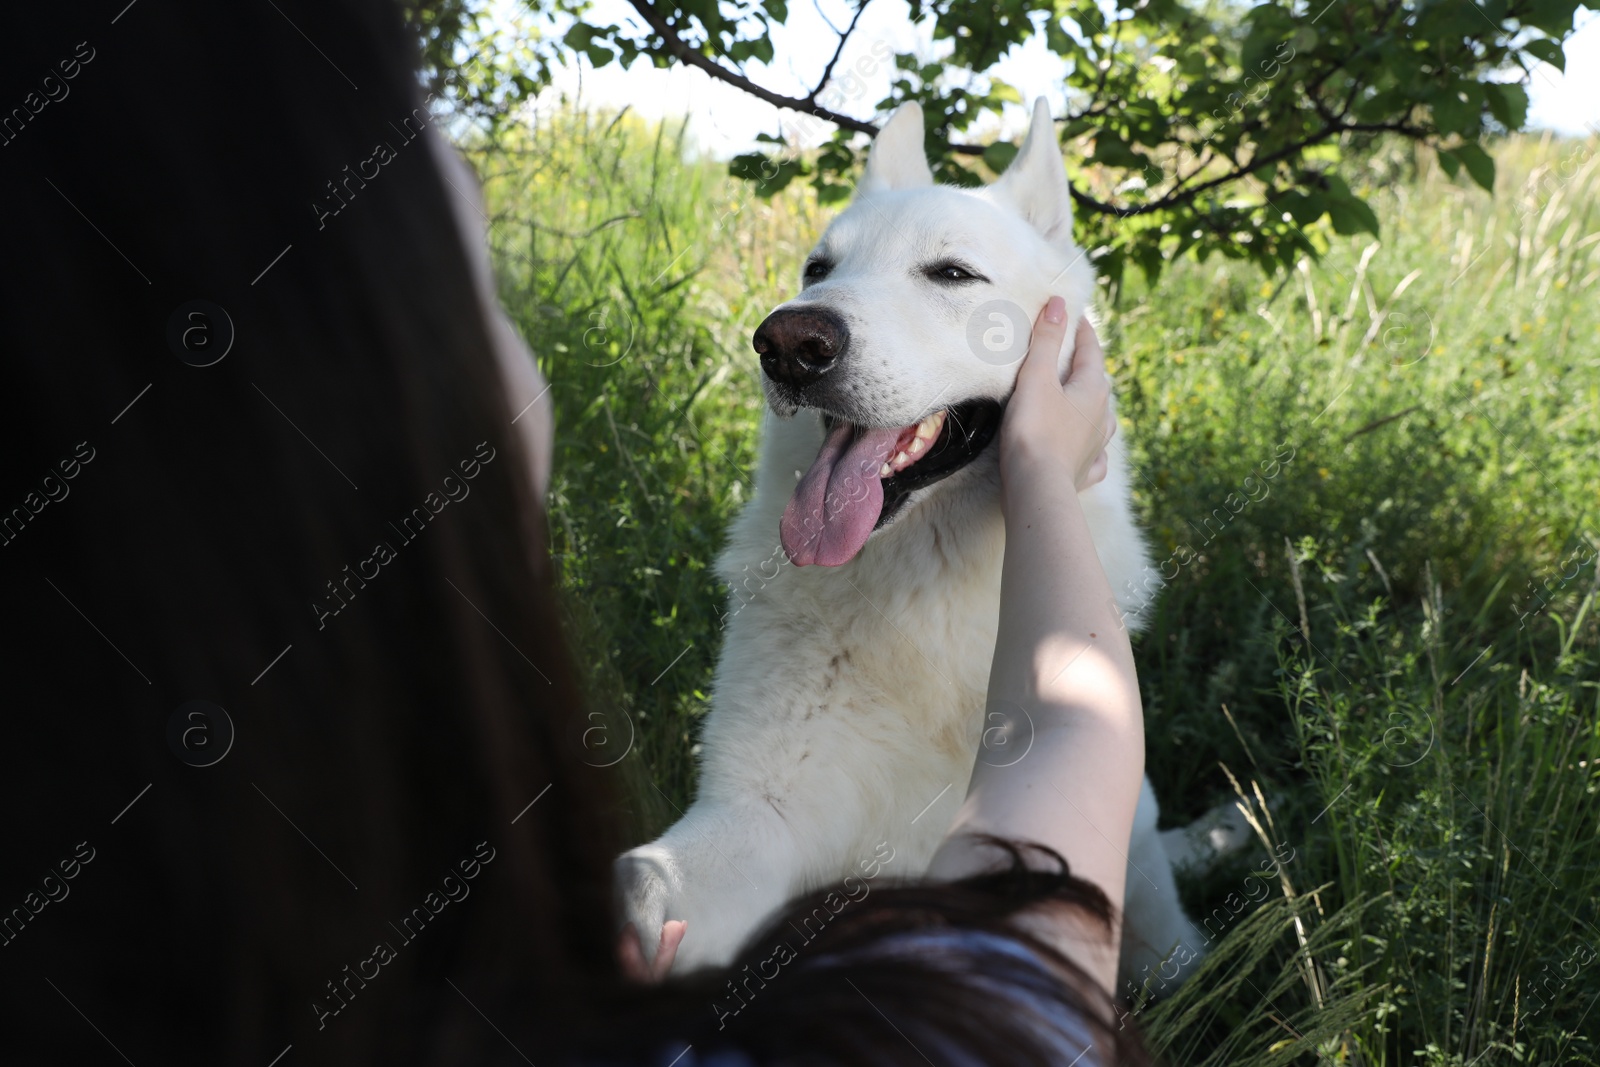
{"x": 1056, "y": 602}
{"x": 1068, "y": 773}
{"x": 1064, "y": 696}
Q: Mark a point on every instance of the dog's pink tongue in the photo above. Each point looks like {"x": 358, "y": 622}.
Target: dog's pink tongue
{"x": 836, "y": 504}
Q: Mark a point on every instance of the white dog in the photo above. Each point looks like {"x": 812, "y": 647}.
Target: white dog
{"x": 849, "y": 700}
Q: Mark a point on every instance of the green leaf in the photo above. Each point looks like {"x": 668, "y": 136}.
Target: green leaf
{"x": 834, "y": 158}
{"x": 998, "y": 156}
{"x": 1304, "y": 208}
{"x": 770, "y": 175}
{"x": 1111, "y": 150}
{"x": 1547, "y": 50}
{"x": 1000, "y": 90}
{"x": 831, "y": 192}
{"x": 1479, "y": 164}
{"x": 1150, "y": 261}
{"x": 1057, "y": 39}
{"x": 1270, "y": 29}
{"x": 1552, "y": 16}
{"x": 1352, "y": 216}
{"x": 1456, "y": 106}
{"x": 1508, "y": 102}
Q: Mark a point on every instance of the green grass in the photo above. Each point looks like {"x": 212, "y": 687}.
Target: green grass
{"x": 1428, "y": 752}
{"x": 1352, "y": 636}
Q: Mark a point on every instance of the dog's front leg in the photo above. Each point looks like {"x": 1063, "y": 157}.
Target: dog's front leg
{"x": 722, "y": 869}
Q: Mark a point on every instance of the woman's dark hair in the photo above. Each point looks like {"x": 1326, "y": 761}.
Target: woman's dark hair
{"x": 291, "y": 764}
{"x": 330, "y": 534}
{"x": 906, "y": 973}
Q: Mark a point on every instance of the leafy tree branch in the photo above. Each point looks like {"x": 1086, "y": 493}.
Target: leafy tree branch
{"x": 1200, "y": 126}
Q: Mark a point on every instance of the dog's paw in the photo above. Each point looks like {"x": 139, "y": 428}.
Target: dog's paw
{"x": 1218, "y": 833}
{"x": 647, "y": 883}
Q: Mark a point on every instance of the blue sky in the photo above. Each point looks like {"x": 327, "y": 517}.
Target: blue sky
{"x": 724, "y": 121}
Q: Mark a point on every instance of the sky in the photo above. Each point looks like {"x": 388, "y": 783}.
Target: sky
{"x": 724, "y": 121}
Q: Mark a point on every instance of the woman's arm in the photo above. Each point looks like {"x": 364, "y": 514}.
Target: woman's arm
{"x": 1062, "y": 663}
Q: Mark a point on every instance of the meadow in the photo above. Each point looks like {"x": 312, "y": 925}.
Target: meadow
{"x": 1369, "y": 485}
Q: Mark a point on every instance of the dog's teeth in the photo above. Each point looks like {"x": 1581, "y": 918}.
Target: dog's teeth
{"x": 928, "y": 428}
{"x": 885, "y": 471}
{"x": 917, "y": 445}
{"x": 902, "y": 460}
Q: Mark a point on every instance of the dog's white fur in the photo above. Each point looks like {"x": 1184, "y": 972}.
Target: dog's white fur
{"x": 848, "y": 701}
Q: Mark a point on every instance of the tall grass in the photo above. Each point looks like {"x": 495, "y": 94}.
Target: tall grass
{"x": 638, "y": 278}
{"x": 1426, "y": 727}
{"x": 1370, "y": 484}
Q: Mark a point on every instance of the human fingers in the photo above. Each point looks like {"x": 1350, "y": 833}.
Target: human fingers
{"x": 1044, "y": 346}
{"x": 1088, "y": 358}
{"x": 1087, "y": 385}
{"x": 630, "y": 953}
{"x": 1088, "y": 389}
{"x": 1096, "y": 472}
{"x": 672, "y": 932}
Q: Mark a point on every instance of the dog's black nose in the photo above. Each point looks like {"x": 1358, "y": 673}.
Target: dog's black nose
{"x": 799, "y": 345}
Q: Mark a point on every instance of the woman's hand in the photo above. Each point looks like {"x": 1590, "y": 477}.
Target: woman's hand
{"x": 1065, "y": 425}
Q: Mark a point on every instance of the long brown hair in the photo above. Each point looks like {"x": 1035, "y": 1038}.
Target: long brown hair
{"x": 330, "y": 534}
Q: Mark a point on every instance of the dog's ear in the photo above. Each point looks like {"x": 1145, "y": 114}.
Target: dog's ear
{"x": 1036, "y": 181}
{"x": 897, "y": 160}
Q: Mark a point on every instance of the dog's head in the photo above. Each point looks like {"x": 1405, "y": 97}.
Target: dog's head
{"x": 915, "y": 313}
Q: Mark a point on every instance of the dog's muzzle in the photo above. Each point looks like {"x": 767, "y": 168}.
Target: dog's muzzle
{"x": 798, "y": 345}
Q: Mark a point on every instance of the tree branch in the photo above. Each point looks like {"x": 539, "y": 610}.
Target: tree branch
{"x": 686, "y": 53}
{"x": 680, "y": 49}
{"x": 823, "y": 15}
{"x": 827, "y": 72}
{"x": 1286, "y": 152}
{"x": 1202, "y": 161}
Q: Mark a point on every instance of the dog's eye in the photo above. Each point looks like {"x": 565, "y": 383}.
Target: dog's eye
{"x": 950, "y": 271}
{"x": 817, "y": 268}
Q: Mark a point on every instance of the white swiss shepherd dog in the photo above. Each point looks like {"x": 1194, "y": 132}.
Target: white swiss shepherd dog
{"x": 849, "y": 700}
